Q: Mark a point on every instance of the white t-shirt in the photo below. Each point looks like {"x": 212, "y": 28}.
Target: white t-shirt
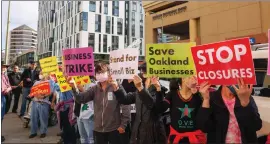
{"x": 87, "y": 110}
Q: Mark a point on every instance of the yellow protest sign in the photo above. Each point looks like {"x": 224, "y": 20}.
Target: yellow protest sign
{"x": 82, "y": 80}
{"x": 64, "y": 86}
{"x": 49, "y": 65}
{"x": 170, "y": 60}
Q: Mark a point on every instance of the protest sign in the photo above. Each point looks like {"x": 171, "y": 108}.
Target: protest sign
{"x": 40, "y": 89}
{"x": 223, "y": 62}
{"x": 82, "y": 80}
{"x": 268, "y": 67}
{"x": 171, "y": 60}
{"x": 79, "y": 61}
{"x": 64, "y": 86}
{"x": 124, "y": 63}
{"x": 49, "y": 65}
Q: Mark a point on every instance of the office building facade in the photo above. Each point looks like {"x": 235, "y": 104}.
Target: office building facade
{"x": 76, "y": 24}
{"x": 21, "y": 39}
{"x": 207, "y": 22}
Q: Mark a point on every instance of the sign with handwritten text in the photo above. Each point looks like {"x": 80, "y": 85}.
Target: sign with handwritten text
{"x": 124, "y": 63}
{"x": 64, "y": 86}
{"x": 82, "y": 80}
{"x": 49, "y": 65}
{"x": 40, "y": 89}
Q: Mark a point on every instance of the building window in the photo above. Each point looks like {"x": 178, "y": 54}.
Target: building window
{"x": 92, "y": 6}
{"x": 78, "y": 40}
{"x": 133, "y": 16}
{"x": 99, "y": 43}
{"x": 115, "y": 42}
{"x": 91, "y": 40}
{"x": 134, "y": 6}
{"x": 133, "y": 30}
{"x": 98, "y": 23}
{"x": 141, "y": 31}
{"x": 83, "y": 21}
{"x": 115, "y": 8}
{"x": 141, "y": 7}
{"x": 79, "y": 6}
{"x": 108, "y": 24}
{"x": 141, "y": 47}
{"x": 141, "y": 19}
{"x": 105, "y": 7}
{"x": 105, "y": 40}
{"x": 119, "y": 26}
{"x": 100, "y": 7}
{"x": 133, "y": 39}
{"x": 112, "y": 25}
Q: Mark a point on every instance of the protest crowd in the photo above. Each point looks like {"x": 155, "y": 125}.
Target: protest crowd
{"x": 207, "y": 104}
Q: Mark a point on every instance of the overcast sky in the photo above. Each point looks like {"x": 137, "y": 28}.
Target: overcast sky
{"x": 21, "y": 12}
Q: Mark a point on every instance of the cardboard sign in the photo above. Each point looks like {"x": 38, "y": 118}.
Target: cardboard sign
{"x": 40, "y": 89}
{"x": 124, "y": 63}
{"x": 82, "y": 80}
{"x": 223, "y": 62}
{"x": 79, "y": 61}
{"x": 49, "y": 65}
{"x": 171, "y": 60}
{"x": 268, "y": 67}
{"x": 64, "y": 86}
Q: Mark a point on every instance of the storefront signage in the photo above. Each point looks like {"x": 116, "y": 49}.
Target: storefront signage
{"x": 170, "y": 13}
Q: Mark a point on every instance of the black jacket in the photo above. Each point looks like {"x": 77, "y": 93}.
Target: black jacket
{"x": 14, "y": 80}
{"x": 215, "y": 120}
{"x": 148, "y": 127}
{"x": 27, "y": 74}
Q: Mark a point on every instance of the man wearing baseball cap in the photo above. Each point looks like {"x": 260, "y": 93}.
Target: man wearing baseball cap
{"x": 5, "y": 89}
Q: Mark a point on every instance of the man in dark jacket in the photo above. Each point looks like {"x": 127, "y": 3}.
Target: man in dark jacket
{"x": 29, "y": 77}
{"x": 15, "y": 80}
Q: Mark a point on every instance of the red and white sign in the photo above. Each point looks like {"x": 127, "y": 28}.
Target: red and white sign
{"x": 223, "y": 62}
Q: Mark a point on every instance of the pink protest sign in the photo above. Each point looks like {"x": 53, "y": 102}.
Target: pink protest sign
{"x": 268, "y": 68}
{"x": 79, "y": 61}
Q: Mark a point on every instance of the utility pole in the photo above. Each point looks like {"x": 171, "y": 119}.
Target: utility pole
{"x": 7, "y": 34}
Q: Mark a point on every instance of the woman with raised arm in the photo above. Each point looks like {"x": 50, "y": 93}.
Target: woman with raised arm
{"x": 229, "y": 115}
{"x": 148, "y": 127}
{"x": 183, "y": 100}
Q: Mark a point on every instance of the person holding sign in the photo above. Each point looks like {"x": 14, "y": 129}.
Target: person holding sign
{"x": 184, "y": 104}
{"x": 40, "y": 109}
{"x": 64, "y": 109}
{"x": 148, "y": 127}
{"x": 108, "y": 123}
{"x": 230, "y": 114}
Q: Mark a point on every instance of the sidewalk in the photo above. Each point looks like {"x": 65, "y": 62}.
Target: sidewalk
{"x": 15, "y": 133}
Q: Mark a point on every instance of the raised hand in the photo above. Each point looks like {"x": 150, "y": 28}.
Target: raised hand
{"x": 155, "y": 82}
{"x": 71, "y": 83}
{"x": 204, "y": 90}
{"x": 243, "y": 92}
{"x": 137, "y": 82}
{"x": 113, "y": 83}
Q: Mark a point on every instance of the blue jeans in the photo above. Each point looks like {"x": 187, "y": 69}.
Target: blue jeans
{"x": 25, "y": 93}
{"x": 86, "y": 127}
{"x": 39, "y": 113}
{"x": 3, "y": 106}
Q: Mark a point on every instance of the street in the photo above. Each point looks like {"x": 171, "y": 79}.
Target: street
{"x": 14, "y": 132}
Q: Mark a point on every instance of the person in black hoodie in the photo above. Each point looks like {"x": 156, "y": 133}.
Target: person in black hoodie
{"x": 148, "y": 127}
{"x": 229, "y": 115}
{"x": 29, "y": 77}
